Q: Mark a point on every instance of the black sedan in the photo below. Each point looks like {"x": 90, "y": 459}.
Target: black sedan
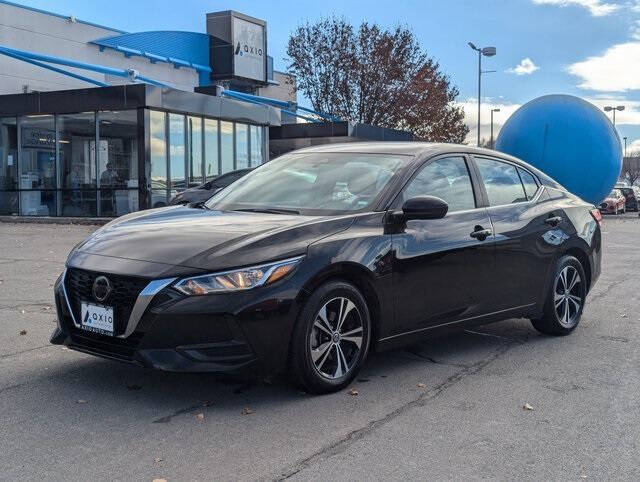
{"x": 320, "y": 256}
{"x": 204, "y": 191}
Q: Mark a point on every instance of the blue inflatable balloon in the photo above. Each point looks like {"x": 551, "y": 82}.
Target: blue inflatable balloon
{"x": 569, "y": 139}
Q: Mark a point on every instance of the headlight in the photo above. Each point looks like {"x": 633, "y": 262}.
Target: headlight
{"x": 237, "y": 280}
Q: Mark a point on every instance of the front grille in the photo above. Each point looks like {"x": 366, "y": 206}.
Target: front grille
{"x": 125, "y": 291}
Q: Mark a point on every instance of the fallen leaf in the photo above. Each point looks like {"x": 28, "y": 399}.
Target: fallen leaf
{"x": 624, "y": 315}
{"x": 200, "y": 417}
{"x": 81, "y": 401}
{"x": 134, "y": 387}
{"x": 46, "y": 308}
{"x": 527, "y": 407}
{"x": 157, "y": 460}
{"x": 247, "y": 411}
{"x": 353, "y": 392}
{"x": 207, "y": 403}
{"x": 421, "y": 385}
{"x": 23, "y": 332}
{"x": 22, "y": 311}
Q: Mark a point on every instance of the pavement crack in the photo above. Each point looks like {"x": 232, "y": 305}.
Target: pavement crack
{"x": 419, "y": 355}
{"x": 341, "y": 445}
{"x": 614, "y": 284}
{"x": 11, "y": 387}
{"x": 9, "y": 355}
{"x": 179, "y": 412}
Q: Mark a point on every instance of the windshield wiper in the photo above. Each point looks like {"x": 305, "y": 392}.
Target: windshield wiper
{"x": 268, "y": 210}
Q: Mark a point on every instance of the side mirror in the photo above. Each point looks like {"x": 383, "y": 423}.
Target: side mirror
{"x": 425, "y": 207}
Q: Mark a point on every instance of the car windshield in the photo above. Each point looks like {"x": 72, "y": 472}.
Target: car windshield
{"x": 316, "y": 183}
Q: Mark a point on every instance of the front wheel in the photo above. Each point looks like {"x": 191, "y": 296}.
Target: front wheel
{"x": 331, "y": 339}
{"x": 565, "y": 299}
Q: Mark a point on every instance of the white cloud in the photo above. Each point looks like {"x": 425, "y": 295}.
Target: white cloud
{"x": 525, "y": 67}
{"x": 597, "y": 8}
{"x": 499, "y": 118}
{"x": 616, "y": 70}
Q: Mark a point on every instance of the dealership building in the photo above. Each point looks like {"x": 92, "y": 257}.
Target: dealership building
{"x": 98, "y": 122}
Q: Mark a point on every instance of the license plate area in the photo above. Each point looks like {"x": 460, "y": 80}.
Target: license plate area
{"x": 97, "y": 318}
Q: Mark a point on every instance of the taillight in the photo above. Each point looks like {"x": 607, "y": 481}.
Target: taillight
{"x": 597, "y": 215}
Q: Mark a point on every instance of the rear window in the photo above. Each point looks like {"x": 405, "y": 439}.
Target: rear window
{"x": 529, "y": 182}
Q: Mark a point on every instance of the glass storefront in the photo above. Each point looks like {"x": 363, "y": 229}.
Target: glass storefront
{"x": 194, "y": 151}
{"x": 118, "y": 162}
{"x": 242, "y": 146}
{"x": 95, "y": 168}
{"x": 257, "y": 146}
{"x": 8, "y": 165}
{"x": 37, "y": 166}
{"x": 77, "y": 164}
{"x": 226, "y": 147}
{"x": 212, "y": 157}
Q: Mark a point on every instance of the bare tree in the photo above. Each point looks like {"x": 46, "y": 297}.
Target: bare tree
{"x": 631, "y": 168}
{"x": 375, "y": 76}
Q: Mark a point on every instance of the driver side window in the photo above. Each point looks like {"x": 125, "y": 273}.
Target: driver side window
{"x": 447, "y": 178}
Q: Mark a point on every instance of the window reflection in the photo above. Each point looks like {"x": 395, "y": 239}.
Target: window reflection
{"x": 38, "y": 165}
{"x": 256, "y": 146}
{"x": 158, "y": 154}
{"x": 194, "y": 138}
{"x": 8, "y": 154}
{"x": 210, "y": 148}
{"x": 118, "y": 162}
{"x": 77, "y": 154}
{"x": 226, "y": 146}
{"x": 242, "y": 146}
{"x": 176, "y": 151}
{"x": 501, "y": 182}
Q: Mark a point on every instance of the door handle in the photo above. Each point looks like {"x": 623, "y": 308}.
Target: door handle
{"x": 480, "y": 233}
{"x": 553, "y": 220}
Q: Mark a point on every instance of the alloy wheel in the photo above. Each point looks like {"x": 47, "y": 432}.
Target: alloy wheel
{"x": 567, "y": 296}
{"x": 336, "y": 338}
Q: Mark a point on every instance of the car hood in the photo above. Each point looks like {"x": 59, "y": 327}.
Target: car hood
{"x": 200, "y": 239}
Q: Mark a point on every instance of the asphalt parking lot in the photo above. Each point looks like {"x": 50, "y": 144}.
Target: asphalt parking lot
{"x": 449, "y": 408}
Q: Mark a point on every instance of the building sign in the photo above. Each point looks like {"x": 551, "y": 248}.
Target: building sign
{"x": 237, "y": 48}
{"x": 249, "y": 49}
{"x": 38, "y": 138}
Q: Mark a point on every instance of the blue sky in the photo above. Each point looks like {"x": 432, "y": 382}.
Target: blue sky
{"x": 589, "y": 48}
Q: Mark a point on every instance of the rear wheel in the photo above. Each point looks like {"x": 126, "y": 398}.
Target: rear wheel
{"x": 331, "y": 339}
{"x": 565, "y": 299}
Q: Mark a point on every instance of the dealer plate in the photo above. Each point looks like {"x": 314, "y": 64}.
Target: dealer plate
{"x": 97, "y": 318}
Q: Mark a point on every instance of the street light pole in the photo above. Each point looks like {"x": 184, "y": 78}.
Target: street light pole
{"x": 625, "y": 146}
{"x": 492, "y": 111}
{"x": 614, "y": 109}
{"x": 487, "y": 52}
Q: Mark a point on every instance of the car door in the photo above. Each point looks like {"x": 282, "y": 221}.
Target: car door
{"x": 441, "y": 266}
{"x": 528, "y": 232}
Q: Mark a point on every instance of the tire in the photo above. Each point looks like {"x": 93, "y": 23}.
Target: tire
{"x": 319, "y": 349}
{"x": 555, "y": 319}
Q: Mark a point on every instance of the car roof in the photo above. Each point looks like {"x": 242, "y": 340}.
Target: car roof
{"x": 422, "y": 150}
{"x": 416, "y": 149}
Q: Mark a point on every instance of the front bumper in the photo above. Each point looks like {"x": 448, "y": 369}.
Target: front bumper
{"x": 223, "y": 333}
